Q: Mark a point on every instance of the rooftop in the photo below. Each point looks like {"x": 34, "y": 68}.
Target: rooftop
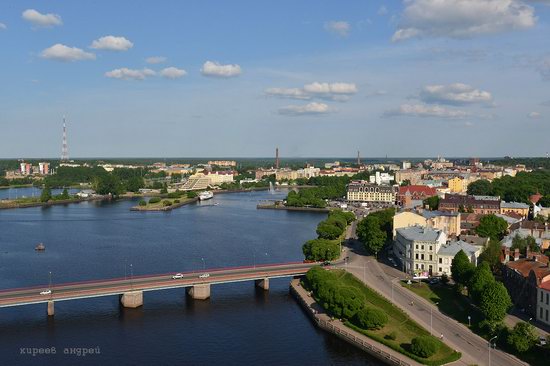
{"x": 419, "y": 233}
{"x": 454, "y": 247}
{"x": 515, "y": 205}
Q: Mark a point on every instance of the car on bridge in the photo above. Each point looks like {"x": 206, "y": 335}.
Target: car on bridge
{"x": 204, "y": 275}
{"x": 177, "y": 276}
{"x": 46, "y": 292}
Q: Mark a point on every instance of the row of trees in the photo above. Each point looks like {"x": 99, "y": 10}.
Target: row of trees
{"x": 47, "y": 196}
{"x": 489, "y": 295}
{"x": 375, "y": 229}
{"x": 329, "y": 231}
{"x": 516, "y": 189}
{"x": 325, "y": 188}
{"x": 341, "y": 301}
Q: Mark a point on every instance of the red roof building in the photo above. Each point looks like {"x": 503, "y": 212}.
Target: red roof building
{"x": 416, "y": 192}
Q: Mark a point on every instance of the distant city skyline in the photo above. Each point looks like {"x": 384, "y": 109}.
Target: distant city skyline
{"x": 319, "y": 79}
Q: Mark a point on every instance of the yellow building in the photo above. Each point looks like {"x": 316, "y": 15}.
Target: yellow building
{"x": 448, "y": 222}
{"x": 457, "y": 185}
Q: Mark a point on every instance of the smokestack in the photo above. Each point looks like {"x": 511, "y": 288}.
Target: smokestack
{"x": 358, "y": 158}
{"x": 277, "y": 158}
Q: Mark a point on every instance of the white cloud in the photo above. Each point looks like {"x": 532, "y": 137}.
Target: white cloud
{"x": 155, "y": 60}
{"x": 340, "y": 27}
{"x": 544, "y": 68}
{"x": 3, "y": 26}
{"x": 462, "y": 18}
{"x": 454, "y": 94}
{"x": 534, "y": 115}
{"x": 41, "y": 20}
{"x": 112, "y": 43}
{"x": 173, "y": 73}
{"x": 382, "y": 10}
{"x": 423, "y": 110}
{"x": 332, "y": 91}
{"x": 292, "y": 93}
{"x": 307, "y": 109}
{"x": 60, "y": 52}
{"x": 130, "y": 74}
{"x": 215, "y": 69}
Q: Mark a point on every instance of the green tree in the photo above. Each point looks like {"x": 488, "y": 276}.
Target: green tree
{"x": 321, "y": 250}
{"x": 522, "y": 338}
{"x": 65, "y": 194}
{"x": 481, "y": 277}
{"x": 494, "y": 301}
{"x": 327, "y": 230}
{"x": 370, "y": 234}
{"x": 424, "y": 346}
{"x": 432, "y": 202}
{"x": 523, "y": 243}
{"x": 461, "y": 268}
{"x": 46, "y": 194}
{"x": 480, "y": 187}
{"x": 491, "y": 254}
{"x": 107, "y": 184}
{"x": 492, "y": 226}
{"x": 191, "y": 194}
{"x": 370, "y": 318}
{"x": 142, "y": 203}
{"x": 405, "y": 182}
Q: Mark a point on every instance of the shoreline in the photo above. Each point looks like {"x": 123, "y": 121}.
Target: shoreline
{"x": 335, "y": 327}
{"x": 48, "y": 204}
{"x": 291, "y": 208}
{"x": 167, "y": 208}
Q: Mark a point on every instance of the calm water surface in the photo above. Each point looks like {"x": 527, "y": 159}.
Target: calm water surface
{"x": 237, "y": 325}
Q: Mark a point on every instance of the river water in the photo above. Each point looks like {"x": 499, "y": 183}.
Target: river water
{"x": 238, "y": 325}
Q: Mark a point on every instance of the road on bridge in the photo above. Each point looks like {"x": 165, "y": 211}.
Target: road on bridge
{"x": 85, "y": 289}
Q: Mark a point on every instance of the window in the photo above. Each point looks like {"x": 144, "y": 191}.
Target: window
{"x": 440, "y": 261}
{"x": 547, "y": 298}
{"x": 431, "y": 257}
{"x": 422, "y": 256}
{"x": 440, "y": 269}
{"x": 540, "y": 314}
{"x": 430, "y": 248}
{"x": 416, "y": 266}
{"x": 546, "y": 314}
{"x": 416, "y": 246}
{"x": 416, "y": 255}
{"x": 422, "y": 247}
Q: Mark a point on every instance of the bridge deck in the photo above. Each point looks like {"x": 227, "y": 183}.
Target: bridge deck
{"x": 116, "y": 286}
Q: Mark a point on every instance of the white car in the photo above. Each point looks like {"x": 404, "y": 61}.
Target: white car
{"x": 204, "y": 275}
{"x": 46, "y": 292}
{"x": 177, "y": 276}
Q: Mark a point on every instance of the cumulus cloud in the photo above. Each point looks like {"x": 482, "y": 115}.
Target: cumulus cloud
{"x": 172, "y": 73}
{"x": 60, "y": 52}
{"x": 3, "y": 26}
{"x": 462, "y": 18}
{"x": 332, "y": 91}
{"x": 41, "y": 20}
{"x": 112, "y": 43}
{"x": 312, "y": 108}
{"x": 454, "y": 94}
{"x": 130, "y": 74}
{"x": 338, "y": 27}
{"x": 534, "y": 115}
{"x": 155, "y": 60}
{"x": 215, "y": 69}
{"x": 425, "y": 111}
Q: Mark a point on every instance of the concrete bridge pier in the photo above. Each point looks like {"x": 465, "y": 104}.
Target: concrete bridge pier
{"x": 263, "y": 283}
{"x": 132, "y": 299}
{"x": 199, "y": 292}
{"x": 51, "y": 311}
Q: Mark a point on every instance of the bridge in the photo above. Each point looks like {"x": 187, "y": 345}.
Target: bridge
{"x": 131, "y": 289}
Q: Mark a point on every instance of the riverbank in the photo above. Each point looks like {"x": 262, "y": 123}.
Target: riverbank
{"x": 10, "y": 204}
{"x": 274, "y": 206}
{"x": 159, "y": 206}
{"x": 336, "y": 327}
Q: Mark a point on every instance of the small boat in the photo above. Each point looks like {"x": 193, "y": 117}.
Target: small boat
{"x": 217, "y": 203}
{"x": 206, "y": 195}
{"x": 40, "y": 247}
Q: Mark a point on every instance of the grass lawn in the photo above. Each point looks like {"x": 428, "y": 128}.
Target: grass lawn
{"x": 399, "y": 323}
{"x": 458, "y": 307}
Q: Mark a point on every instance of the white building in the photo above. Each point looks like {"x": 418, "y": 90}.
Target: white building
{"x": 448, "y": 251}
{"x": 417, "y": 247}
{"x": 362, "y": 191}
{"x": 381, "y": 178}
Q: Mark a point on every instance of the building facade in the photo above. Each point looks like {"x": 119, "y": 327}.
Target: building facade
{"x": 362, "y": 191}
{"x": 543, "y": 303}
{"x": 466, "y": 203}
{"x": 416, "y": 247}
{"x": 514, "y": 207}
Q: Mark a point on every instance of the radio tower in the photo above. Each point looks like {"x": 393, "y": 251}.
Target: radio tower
{"x": 358, "y": 158}
{"x": 277, "y": 158}
{"x": 65, "y": 148}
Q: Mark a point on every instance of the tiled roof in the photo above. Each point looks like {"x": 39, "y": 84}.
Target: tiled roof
{"x": 524, "y": 266}
{"x": 419, "y": 233}
{"x": 418, "y": 189}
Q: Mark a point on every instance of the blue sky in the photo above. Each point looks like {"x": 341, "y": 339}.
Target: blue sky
{"x": 316, "y": 78}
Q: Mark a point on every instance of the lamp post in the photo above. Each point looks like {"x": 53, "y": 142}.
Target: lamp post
{"x": 469, "y": 321}
{"x": 203, "y": 264}
{"x": 431, "y": 318}
{"x": 490, "y": 343}
{"x": 131, "y": 276}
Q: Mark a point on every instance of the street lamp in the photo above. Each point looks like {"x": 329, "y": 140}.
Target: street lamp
{"x": 469, "y": 321}
{"x": 490, "y": 342}
{"x": 431, "y": 317}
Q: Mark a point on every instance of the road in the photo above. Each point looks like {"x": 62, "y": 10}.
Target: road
{"x": 385, "y": 280}
{"x": 78, "y": 290}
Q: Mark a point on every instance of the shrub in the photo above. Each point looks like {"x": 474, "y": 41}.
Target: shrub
{"x": 191, "y": 194}
{"x": 154, "y": 200}
{"x": 370, "y": 318}
{"x": 166, "y": 203}
{"x": 391, "y": 336}
{"x": 176, "y": 201}
{"x": 142, "y": 203}
{"x": 176, "y": 194}
{"x": 424, "y": 346}
{"x": 522, "y": 338}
